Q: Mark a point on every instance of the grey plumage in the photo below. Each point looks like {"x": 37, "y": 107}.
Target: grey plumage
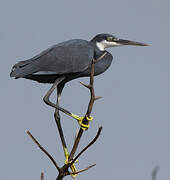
{"x": 60, "y": 59}
{"x": 67, "y": 61}
{"x": 70, "y": 59}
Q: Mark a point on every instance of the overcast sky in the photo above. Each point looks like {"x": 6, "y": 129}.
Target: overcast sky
{"x": 134, "y": 111}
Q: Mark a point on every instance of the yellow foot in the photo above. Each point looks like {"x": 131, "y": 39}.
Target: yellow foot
{"x": 72, "y": 167}
{"x": 83, "y": 126}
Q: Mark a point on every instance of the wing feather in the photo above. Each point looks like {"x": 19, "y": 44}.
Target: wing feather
{"x": 68, "y": 57}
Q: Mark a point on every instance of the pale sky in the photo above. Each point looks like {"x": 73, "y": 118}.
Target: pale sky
{"x": 134, "y": 111}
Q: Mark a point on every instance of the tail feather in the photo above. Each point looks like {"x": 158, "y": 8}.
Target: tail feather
{"x": 24, "y": 68}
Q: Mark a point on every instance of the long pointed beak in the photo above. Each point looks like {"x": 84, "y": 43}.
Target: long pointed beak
{"x": 131, "y": 43}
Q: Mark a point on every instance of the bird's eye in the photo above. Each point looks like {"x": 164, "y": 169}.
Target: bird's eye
{"x": 115, "y": 39}
{"x": 109, "y": 38}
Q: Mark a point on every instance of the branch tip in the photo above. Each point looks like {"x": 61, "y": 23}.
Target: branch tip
{"x": 44, "y": 150}
{"x": 154, "y": 172}
{"x": 42, "y": 176}
{"x": 97, "y": 97}
{"x": 85, "y": 85}
{"x": 82, "y": 170}
{"x": 91, "y": 143}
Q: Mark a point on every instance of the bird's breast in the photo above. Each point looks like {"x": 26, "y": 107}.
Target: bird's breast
{"x": 100, "y": 66}
{"x": 103, "y": 64}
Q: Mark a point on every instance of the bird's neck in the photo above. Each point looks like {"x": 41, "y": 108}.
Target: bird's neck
{"x": 97, "y": 51}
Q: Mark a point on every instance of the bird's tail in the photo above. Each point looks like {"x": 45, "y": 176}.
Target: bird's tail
{"x": 23, "y": 68}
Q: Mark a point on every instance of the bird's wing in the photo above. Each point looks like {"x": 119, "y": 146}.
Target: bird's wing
{"x": 68, "y": 57}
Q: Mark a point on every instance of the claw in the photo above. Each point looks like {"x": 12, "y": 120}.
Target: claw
{"x": 84, "y": 127}
{"x": 89, "y": 118}
{"x": 77, "y": 161}
{"x": 72, "y": 167}
{"x": 80, "y": 121}
{"x": 78, "y": 118}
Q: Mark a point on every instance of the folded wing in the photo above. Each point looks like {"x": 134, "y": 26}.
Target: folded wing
{"x": 68, "y": 57}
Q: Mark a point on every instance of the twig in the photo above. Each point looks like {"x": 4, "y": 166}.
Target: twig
{"x": 91, "y": 143}
{"x": 77, "y": 130}
{"x": 50, "y": 157}
{"x": 154, "y": 172}
{"x": 42, "y": 176}
{"x": 76, "y": 143}
{"x": 85, "y": 169}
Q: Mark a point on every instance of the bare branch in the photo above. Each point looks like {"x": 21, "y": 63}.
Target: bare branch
{"x": 85, "y": 85}
{"x": 42, "y": 176}
{"x": 85, "y": 169}
{"x": 50, "y": 157}
{"x": 154, "y": 172}
{"x": 98, "y": 97}
{"x": 89, "y": 109}
{"x": 76, "y": 143}
{"x": 77, "y": 131}
{"x": 102, "y": 56}
{"x": 91, "y": 143}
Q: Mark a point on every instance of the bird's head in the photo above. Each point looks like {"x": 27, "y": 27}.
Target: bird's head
{"x": 104, "y": 41}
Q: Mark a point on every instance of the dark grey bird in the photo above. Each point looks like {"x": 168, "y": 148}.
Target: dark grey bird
{"x": 69, "y": 60}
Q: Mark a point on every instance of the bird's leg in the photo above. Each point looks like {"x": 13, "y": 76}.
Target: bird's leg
{"x": 57, "y": 117}
{"x": 48, "y": 102}
{"x": 50, "y": 91}
{"x": 58, "y": 122}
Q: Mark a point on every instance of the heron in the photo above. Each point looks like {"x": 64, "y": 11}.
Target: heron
{"x": 66, "y": 61}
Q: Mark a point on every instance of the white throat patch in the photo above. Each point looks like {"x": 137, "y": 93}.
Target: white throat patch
{"x": 106, "y": 44}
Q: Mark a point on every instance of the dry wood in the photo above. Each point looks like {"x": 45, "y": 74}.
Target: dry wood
{"x": 63, "y": 171}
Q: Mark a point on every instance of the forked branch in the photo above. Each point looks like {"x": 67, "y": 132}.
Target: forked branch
{"x": 63, "y": 171}
{"x": 91, "y": 143}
